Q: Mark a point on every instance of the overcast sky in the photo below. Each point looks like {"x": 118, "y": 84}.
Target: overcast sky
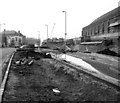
{"x": 31, "y": 16}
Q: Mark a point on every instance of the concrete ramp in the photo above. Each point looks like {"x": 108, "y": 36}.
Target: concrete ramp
{"x": 79, "y": 62}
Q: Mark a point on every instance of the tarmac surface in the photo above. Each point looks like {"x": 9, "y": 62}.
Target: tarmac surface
{"x": 107, "y": 65}
{"x": 4, "y": 53}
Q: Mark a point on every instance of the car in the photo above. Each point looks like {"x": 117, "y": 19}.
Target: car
{"x": 28, "y": 47}
{"x": 23, "y": 46}
{"x": 17, "y": 46}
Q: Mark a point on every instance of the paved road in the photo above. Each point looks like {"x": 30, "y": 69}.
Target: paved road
{"x": 4, "y": 52}
{"x": 104, "y": 64}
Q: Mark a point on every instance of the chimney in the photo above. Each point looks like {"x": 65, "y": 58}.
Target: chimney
{"x": 119, "y": 4}
{"x": 19, "y": 31}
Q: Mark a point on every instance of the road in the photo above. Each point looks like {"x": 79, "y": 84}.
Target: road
{"x": 4, "y": 53}
{"x": 105, "y": 64}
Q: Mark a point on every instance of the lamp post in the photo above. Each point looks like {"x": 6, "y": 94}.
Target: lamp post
{"x": 65, "y": 31}
{"x": 47, "y": 31}
{"x": 3, "y": 42}
{"x": 1, "y": 26}
{"x": 39, "y": 40}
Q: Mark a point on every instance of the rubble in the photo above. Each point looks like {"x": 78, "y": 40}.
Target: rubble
{"x": 17, "y": 62}
{"x": 31, "y": 62}
{"x": 47, "y": 80}
{"x": 56, "y": 90}
{"x": 109, "y": 52}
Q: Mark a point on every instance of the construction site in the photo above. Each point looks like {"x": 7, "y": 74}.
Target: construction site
{"x": 39, "y": 76}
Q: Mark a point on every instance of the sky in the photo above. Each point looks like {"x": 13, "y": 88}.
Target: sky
{"x": 31, "y": 16}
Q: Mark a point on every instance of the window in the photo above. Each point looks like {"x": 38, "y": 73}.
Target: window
{"x": 98, "y": 29}
{"x": 95, "y": 30}
{"x": 16, "y": 38}
{"x": 112, "y": 20}
{"x": 106, "y": 26}
{"x": 91, "y": 31}
{"x": 108, "y": 23}
{"x": 102, "y": 28}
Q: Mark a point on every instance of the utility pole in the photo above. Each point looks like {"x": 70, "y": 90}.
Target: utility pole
{"x": 65, "y": 31}
{"x": 47, "y": 31}
{"x": 3, "y": 42}
{"x": 52, "y": 30}
{"x": 1, "y": 26}
{"x": 39, "y": 40}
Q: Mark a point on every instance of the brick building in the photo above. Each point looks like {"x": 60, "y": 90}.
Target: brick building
{"x": 12, "y": 38}
{"x": 105, "y": 26}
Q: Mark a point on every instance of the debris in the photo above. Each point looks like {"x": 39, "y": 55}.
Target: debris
{"x": 56, "y": 90}
{"x": 109, "y": 52}
{"x": 47, "y": 55}
{"x": 17, "y": 62}
{"x": 92, "y": 58}
{"x": 30, "y": 63}
{"x": 23, "y": 61}
{"x": 48, "y": 80}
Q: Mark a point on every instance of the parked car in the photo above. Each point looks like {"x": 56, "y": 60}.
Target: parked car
{"x": 17, "y": 46}
{"x": 29, "y": 47}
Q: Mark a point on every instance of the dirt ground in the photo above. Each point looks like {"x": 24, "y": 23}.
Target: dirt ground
{"x": 37, "y": 77}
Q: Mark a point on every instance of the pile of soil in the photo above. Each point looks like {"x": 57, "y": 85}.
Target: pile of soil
{"x": 37, "y": 81}
{"x": 109, "y": 52}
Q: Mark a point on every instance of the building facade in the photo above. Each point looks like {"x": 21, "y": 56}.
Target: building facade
{"x": 12, "y": 38}
{"x": 106, "y": 26}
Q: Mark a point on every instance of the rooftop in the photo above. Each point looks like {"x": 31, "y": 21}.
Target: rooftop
{"x": 114, "y": 12}
{"x": 11, "y": 33}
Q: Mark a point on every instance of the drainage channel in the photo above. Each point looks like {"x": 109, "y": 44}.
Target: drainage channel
{"x": 4, "y": 81}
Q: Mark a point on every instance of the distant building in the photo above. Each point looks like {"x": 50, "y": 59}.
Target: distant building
{"x": 77, "y": 40}
{"x": 32, "y": 41}
{"x": 61, "y": 39}
{"x": 12, "y": 38}
{"x": 54, "y": 40}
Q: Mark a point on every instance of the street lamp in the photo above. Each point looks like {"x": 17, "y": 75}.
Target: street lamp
{"x": 1, "y": 26}
{"x": 65, "y": 31}
{"x": 47, "y": 31}
{"x": 39, "y": 40}
{"x": 1, "y": 32}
